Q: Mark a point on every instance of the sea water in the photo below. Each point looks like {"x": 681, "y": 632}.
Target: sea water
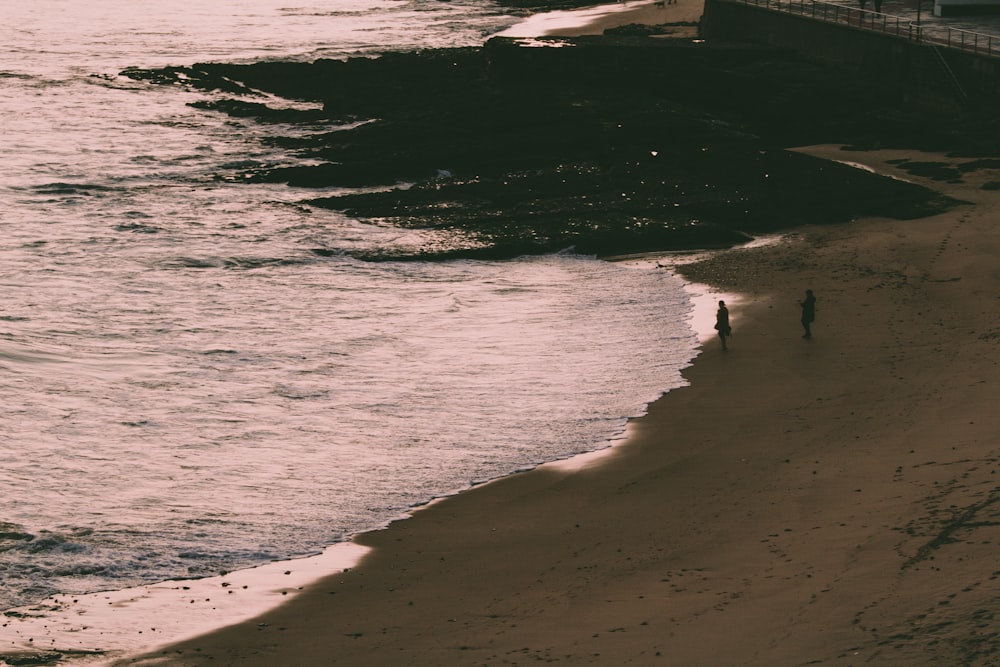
{"x": 186, "y": 386}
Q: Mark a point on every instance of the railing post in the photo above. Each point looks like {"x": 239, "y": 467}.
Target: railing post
{"x": 919, "y": 6}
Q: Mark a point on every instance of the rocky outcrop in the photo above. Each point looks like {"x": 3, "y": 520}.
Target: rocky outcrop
{"x": 611, "y": 145}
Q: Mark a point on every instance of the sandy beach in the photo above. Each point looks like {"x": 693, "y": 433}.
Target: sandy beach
{"x": 827, "y": 501}
{"x": 830, "y": 501}
{"x": 667, "y": 13}
{"x": 678, "y": 18}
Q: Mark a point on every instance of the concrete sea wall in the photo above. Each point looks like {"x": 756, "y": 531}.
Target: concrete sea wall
{"x": 929, "y": 73}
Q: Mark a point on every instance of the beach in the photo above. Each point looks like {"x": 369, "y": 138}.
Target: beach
{"x": 679, "y": 19}
{"x": 826, "y": 501}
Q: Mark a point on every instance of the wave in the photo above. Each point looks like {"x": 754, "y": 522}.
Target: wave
{"x": 248, "y": 263}
{"x": 10, "y": 532}
{"x": 137, "y": 227}
{"x": 66, "y": 189}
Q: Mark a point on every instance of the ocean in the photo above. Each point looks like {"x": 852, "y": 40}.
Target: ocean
{"x": 187, "y": 387}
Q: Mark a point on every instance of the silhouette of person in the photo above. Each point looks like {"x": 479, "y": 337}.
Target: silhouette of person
{"x": 722, "y": 323}
{"x": 808, "y": 313}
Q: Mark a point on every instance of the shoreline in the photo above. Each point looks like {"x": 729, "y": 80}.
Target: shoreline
{"x": 111, "y": 617}
{"x": 99, "y": 628}
{"x": 794, "y": 498}
{"x": 615, "y": 607}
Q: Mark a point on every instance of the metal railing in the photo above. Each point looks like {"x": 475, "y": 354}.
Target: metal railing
{"x": 907, "y": 28}
{"x": 976, "y": 42}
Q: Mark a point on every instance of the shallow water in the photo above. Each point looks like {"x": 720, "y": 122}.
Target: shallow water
{"x": 188, "y": 387}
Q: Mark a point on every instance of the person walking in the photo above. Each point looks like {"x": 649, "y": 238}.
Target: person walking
{"x": 808, "y": 313}
{"x": 722, "y": 323}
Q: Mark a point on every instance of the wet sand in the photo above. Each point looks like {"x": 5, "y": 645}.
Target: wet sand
{"x": 828, "y": 501}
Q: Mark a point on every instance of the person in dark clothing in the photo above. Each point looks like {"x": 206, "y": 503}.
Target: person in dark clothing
{"x": 808, "y": 313}
{"x": 722, "y": 323}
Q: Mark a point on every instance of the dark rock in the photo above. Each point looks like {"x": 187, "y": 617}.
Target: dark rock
{"x": 613, "y": 145}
